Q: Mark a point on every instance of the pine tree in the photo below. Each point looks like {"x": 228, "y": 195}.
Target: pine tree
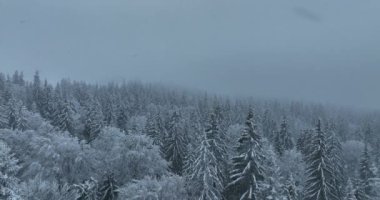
{"x": 366, "y": 173}
{"x": 283, "y": 140}
{"x": 204, "y": 173}
{"x": 218, "y": 147}
{"x": 88, "y": 190}
{"x": 63, "y": 118}
{"x": 247, "y": 169}
{"x": 122, "y": 117}
{"x": 291, "y": 189}
{"x": 350, "y": 191}
{"x": 37, "y": 93}
{"x": 174, "y": 144}
{"x": 3, "y": 117}
{"x": 154, "y": 129}
{"x": 304, "y": 141}
{"x": 108, "y": 190}
{"x": 320, "y": 170}
{"x": 93, "y": 121}
{"x": 8, "y": 170}
{"x": 47, "y": 98}
{"x": 334, "y": 151}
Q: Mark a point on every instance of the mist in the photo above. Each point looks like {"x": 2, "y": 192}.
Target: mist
{"x": 319, "y": 51}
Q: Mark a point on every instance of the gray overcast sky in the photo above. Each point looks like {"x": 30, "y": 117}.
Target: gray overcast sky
{"x": 314, "y": 50}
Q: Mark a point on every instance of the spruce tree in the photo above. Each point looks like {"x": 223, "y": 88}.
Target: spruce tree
{"x": 350, "y": 191}
{"x": 108, "y": 189}
{"x": 206, "y": 183}
{"x": 319, "y": 185}
{"x": 122, "y": 117}
{"x": 334, "y": 151}
{"x": 283, "y": 140}
{"x": 8, "y": 170}
{"x": 93, "y": 121}
{"x": 88, "y": 190}
{"x": 366, "y": 174}
{"x": 63, "y": 118}
{"x": 291, "y": 189}
{"x": 175, "y": 144}
{"x": 154, "y": 129}
{"x": 247, "y": 169}
{"x": 217, "y": 144}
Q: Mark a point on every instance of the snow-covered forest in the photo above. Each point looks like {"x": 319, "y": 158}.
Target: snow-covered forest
{"x": 79, "y": 141}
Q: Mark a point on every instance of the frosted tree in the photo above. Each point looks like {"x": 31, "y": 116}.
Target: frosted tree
{"x": 319, "y": 185}
{"x": 350, "y": 191}
{"x": 122, "y": 117}
{"x": 3, "y": 117}
{"x": 291, "y": 189}
{"x": 174, "y": 144}
{"x": 108, "y": 189}
{"x": 206, "y": 182}
{"x": 283, "y": 140}
{"x": 93, "y": 121}
{"x": 334, "y": 151}
{"x": 48, "y": 101}
{"x": 63, "y": 118}
{"x": 304, "y": 141}
{"x": 216, "y": 139}
{"x": 366, "y": 174}
{"x": 247, "y": 170}
{"x": 88, "y": 190}
{"x": 268, "y": 125}
{"x": 8, "y": 170}
{"x": 14, "y": 115}
{"x": 154, "y": 129}
{"x": 109, "y": 109}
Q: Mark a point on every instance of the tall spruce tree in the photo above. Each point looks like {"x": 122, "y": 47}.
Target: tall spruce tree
{"x": 247, "y": 169}
{"x": 8, "y": 170}
{"x": 108, "y": 189}
{"x": 350, "y": 191}
{"x": 204, "y": 173}
{"x": 154, "y": 129}
{"x": 93, "y": 122}
{"x": 217, "y": 144}
{"x": 174, "y": 144}
{"x": 283, "y": 140}
{"x": 366, "y": 175}
{"x": 63, "y": 118}
{"x": 320, "y": 172}
{"x": 122, "y": 117}
{"x": 334, "y": 151}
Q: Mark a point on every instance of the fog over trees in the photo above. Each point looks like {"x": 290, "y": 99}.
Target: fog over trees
{"x": 79, "y": 141}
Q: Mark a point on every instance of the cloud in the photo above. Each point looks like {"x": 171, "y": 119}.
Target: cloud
{"x": 307, "y": 14}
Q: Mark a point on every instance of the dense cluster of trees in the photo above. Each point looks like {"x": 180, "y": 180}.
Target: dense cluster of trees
{"x": 139, "y": 141}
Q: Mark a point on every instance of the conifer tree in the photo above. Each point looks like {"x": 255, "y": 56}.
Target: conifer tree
{"x": 218, "y": 147}
{"x": 8, "y": 170}
{"x": 291, "y": 189}
{"x": 366, "y": 174}
{"x": 283, "y": 140}
{"x": 154, "y": 129}
{"x": 334, "y": 151}
{"x": 63, "y": 118}
{"x": 320, "y": 170}
{"x": 174, "y": 144}
{"x": 350, "y": 191}
{"x": 88, "y": 190}
{"x": 108, "y": 190}
{"x": 204, "y": 173}
{"x": 247, "y": 169}
{"x": 122, "y": 117}
{"x": 93, "y": 121}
